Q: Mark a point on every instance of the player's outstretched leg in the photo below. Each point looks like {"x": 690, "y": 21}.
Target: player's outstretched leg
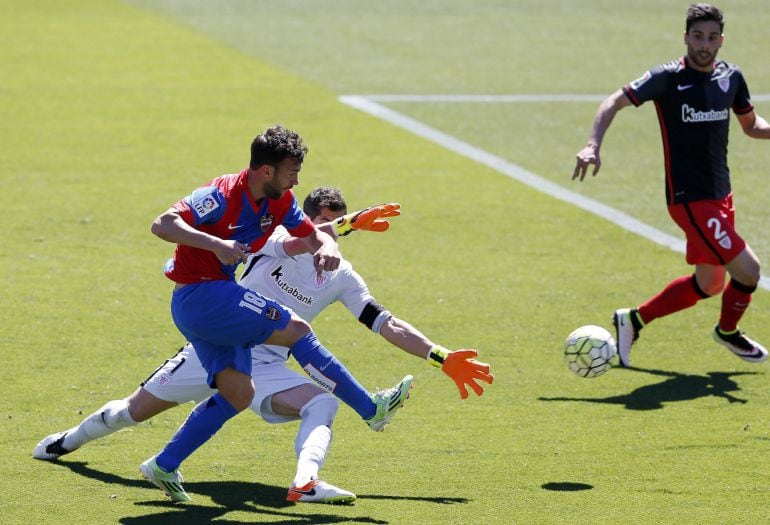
{"x": 323, "y": 367}
{"x": 169, "y": 482}
{"x": 627, "y": 326}
{"x": 330, "y": 374}
{"x": 110, "y": 418}
{"x": 317, "y": 491}
{"x": 387, "y": 402}
{"x": 737, "y": 342}
{"x": 313, "y": 440}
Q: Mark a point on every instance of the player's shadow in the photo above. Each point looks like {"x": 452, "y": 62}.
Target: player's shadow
{"x": 678, "y": 387}
{"x": 269, "y": 500}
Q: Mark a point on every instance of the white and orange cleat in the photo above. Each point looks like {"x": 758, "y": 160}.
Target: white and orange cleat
{"x": 317, "y": 491}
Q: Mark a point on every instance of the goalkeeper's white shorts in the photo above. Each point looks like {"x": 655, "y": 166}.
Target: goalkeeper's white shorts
{"x": 182, "y": 379}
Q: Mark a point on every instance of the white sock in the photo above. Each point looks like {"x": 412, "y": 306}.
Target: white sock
{"x": 111, "y": 417}
{"x": 314, "y": 437}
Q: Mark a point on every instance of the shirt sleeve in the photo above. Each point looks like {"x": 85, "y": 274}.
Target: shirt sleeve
{"x": 355, "y": 294}
{"x": 294, "y": 219}
{"x": 303, "y": 229}
{"x": 742, "y": 101}
{"x": 651, "y": 85}
{"x": 205, "y": 205}
{"x": 274, "y": 245}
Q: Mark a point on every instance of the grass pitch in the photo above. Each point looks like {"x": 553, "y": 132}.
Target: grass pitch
{"x": 111, "y": 111}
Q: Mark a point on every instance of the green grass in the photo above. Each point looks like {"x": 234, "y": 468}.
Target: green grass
{"x": 111, "y": 111}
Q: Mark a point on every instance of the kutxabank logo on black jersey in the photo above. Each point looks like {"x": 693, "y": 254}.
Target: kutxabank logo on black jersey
{"x": 691, "y": 115}
{"x": 290, "y": 289}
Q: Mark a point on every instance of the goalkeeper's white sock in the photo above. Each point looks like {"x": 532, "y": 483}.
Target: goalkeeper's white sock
{"x": 111, "y": 417}
{"x": 314, "y": 437}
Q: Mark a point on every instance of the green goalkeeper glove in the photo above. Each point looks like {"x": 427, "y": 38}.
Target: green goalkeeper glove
{"x": 371, "y": 219}
{"x": 462, "y": 368}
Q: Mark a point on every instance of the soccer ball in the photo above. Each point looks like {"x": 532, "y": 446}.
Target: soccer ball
{"x": 588, "y": 350}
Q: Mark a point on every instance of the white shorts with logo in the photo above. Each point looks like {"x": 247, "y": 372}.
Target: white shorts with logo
{"x": 182, "y": 379}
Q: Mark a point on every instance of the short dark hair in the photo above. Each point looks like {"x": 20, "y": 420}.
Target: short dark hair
{"x": 701, "y": 12}
{"x": 323, "y": 197}
{"x": 275, "y": 144}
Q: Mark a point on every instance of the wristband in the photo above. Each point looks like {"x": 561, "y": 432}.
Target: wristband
{"x": 343, "y": 225}
{"x": 437, "y": 356}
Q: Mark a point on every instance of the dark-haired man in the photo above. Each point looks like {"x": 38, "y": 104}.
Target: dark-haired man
{"x": 693, "y": 96}
{"x": 214, "y": 229}
{"x": 284, "y": 270}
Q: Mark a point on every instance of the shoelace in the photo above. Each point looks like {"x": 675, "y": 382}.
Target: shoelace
{"x": 738, "y": 339}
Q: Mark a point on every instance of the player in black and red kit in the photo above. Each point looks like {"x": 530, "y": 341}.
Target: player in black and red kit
{"x": 693, "y": 97}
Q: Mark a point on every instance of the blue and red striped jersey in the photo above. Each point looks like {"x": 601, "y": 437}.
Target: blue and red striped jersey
{"x": 226, "y": 209}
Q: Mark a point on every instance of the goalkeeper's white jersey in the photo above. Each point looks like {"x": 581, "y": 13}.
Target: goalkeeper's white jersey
{"x": 293, "y": 282}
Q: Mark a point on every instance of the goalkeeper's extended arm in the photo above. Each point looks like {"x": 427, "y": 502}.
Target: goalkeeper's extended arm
{"x": 460, "y": 365}
{"x": 371, "y": 219}
{"x": 462, "y": 368}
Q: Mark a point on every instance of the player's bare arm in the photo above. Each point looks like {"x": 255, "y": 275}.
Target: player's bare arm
{"x": 460, "y": 365}
{"x": 170, "y": 227}
{"x": 406, "y": 337}
{"x": 754, "y": 126}
{"x": 296, "y": 246}
{"x": 326, "y": 253}
{"x": 604, "y": 115}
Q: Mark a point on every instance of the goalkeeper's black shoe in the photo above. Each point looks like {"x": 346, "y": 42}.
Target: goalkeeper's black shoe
{"x": 737, "y": 342}
{"x": 51, "y": 447}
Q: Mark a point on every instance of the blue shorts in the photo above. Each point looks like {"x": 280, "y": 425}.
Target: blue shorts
{"x": 223, "y": 320}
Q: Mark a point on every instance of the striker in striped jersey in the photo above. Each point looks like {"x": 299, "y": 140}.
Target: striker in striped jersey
{"x": 224, "y": 208}
{"x": 290, "y": 281}
{"x": 694, "y": 113}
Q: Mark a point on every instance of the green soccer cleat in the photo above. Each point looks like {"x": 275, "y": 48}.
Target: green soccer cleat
{"x": 387, "y": 402}
{"x": 168, "y": 482}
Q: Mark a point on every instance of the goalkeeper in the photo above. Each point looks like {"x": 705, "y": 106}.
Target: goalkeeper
{"x": 282, "y": 270}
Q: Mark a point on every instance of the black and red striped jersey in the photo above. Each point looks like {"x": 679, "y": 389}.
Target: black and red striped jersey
{"x": 694, "y": 113}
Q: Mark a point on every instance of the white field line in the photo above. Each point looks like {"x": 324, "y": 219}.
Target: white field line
{"x": 498, "y": 99}
{"x": 367, "y": 105}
